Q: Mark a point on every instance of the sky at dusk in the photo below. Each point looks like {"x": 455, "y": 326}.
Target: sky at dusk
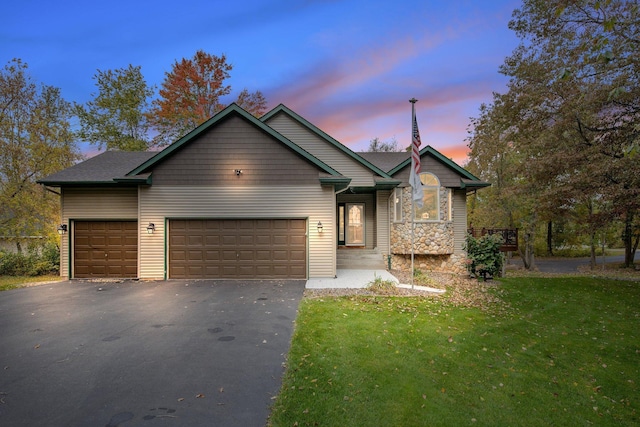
{"x": 349, "y": 67}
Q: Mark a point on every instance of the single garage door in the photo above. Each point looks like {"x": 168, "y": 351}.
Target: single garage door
{"x": 105, "y": 249}
{"x": 238, "y": 249}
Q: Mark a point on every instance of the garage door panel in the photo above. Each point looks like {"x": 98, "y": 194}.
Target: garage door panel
{"x": 105, "y": 249}
{"x": 239, "y": 248}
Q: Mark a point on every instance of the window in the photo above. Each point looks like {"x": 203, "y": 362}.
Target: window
{"x": 397, "y": 204}
{"x": 430, "y": 210}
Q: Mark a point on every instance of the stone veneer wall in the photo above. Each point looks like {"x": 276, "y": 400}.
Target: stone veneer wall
{"x": 434, "y": 248}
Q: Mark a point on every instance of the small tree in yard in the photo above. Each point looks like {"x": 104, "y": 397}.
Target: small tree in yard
{"x": 483, "y": 255}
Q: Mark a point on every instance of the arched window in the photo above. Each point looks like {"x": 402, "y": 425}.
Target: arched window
{"x": 430, "y": 210}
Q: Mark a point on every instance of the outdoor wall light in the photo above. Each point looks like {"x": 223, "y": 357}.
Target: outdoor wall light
{"x": 238, "y": 171}
{"x": 151, "y": 228}
{"x": 62, "y": 228}
{"x": 320, "y": 227}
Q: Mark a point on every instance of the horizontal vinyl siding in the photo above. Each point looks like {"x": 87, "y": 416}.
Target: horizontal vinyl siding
{"x": 212, "y": 158}
{"x": 383, "y": 220}
{"x": 459, "y": 220}
{"x": 323, "y": 150}
{"x": 94, "y": 203}
{"x": 315, "y": 203}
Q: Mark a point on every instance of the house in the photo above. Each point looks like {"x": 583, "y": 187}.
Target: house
{"x": 241, "y": 197}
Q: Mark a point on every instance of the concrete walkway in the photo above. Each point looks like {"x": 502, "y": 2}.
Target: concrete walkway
{"x": 358, "y": 279}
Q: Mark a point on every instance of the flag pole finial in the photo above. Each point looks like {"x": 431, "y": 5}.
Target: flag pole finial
{"x": 413, "y": 100}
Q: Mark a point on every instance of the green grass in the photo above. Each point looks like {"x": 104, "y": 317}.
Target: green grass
{"x": 560, "y": 351}
{"x": 14, "y": 282}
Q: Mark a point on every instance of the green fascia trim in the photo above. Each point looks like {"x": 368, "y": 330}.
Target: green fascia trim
{"x": 322, "y": 134}
{"x": 233, "y": 108}
{"x": 387, "y": 185}
{"x": 475, "y": 184}
{"x": 134, "y": 180}
{"x": 440, "y": 157}
{"x": 76, "y": 184}
{"x": 339, "y": 183}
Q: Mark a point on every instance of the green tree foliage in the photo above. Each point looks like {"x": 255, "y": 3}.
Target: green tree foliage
{"x": 377, "y": 145}
{"x": 569, "y": 120}
{"x": 115, "y": 119}
{"x": 35, "y": 141}
{"x": 484, "y": 256}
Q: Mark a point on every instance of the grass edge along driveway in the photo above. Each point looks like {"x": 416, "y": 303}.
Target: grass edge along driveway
{"x": 554, "y": 351}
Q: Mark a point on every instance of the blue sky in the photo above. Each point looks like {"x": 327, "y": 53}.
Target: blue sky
{"x": 349, "y": 67}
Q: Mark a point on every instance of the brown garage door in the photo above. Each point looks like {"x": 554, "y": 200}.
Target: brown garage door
{"x": 237, "y": 249}
{"x": 105, "y": 249}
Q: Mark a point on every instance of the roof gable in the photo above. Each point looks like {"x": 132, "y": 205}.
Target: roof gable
{"x": 233, "y": 109}
{"x": 282, "y": 109}
{"x": 449, "y": 172}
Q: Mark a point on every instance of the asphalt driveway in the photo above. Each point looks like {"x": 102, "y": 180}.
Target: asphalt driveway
{"x": 174, "y": 353}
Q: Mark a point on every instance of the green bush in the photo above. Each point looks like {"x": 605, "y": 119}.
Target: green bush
{"x": 33, "y": 263}
{"x": 483, "y": 255}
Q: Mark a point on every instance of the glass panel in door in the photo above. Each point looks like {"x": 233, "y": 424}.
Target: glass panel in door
{"x": 355, "y": 224}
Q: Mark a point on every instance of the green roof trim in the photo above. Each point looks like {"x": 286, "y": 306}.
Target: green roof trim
{"x": 441, "y": 158}
{"x": 473, "y": 184}
{"x": 284, "y": 109}
{"x": 387, "y": 184}
{"x": 339, "y": 183}
{"x": 135, "y": 179}
{"x": 231, "y": 109}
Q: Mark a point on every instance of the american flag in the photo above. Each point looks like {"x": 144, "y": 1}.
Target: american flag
{"x": 414, "y": 179}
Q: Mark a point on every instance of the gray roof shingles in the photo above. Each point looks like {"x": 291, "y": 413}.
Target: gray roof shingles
{"x": 385, "y": 161}
{"x": 101, "y": 169}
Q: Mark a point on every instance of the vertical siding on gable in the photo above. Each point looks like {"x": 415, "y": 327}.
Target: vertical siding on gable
{"x": 459, "y": 220}
{"x": 158, "y": 204}
{"x": 94, "y": 203}
{"x": 323, "y": 150}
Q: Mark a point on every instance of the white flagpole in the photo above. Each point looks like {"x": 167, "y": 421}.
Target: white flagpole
{"x": 413, "y": 213}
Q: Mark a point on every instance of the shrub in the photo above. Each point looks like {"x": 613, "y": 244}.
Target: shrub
{"x": 381, "y": 286}
{"x": 483, "y": 255}
{"x": 33, "y": 263}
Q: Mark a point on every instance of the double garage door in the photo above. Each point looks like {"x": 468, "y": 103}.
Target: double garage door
{"x": 237, "y": 248}
{"x": 197, "y": 249}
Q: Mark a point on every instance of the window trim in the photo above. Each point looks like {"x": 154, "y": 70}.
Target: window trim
{"x": 397, "y": 204}
{"x": 431, "y": 187}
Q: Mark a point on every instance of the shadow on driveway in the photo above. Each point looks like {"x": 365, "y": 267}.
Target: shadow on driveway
{"x": 179, "y": 353}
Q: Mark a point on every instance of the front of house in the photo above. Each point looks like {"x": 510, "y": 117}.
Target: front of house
{"x": 247, "y": 198}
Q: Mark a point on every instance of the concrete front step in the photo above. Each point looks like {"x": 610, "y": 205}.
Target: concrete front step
{"x": 360, "y": 259}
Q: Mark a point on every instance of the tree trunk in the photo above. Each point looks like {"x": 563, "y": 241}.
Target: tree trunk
{"x": 528, "y": 258}
{"x": 550, "y": 238}
{"x": 627, "y": 237}
{"x": 592, "y": 261}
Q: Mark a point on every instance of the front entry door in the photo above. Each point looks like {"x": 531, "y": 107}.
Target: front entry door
{"x": 354, "y": 224}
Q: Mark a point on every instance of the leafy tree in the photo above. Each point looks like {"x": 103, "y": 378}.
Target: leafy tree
{"x": 35, "y": 141}
{"x": 255, "y": 103}
{"x": 192, "y": 92}
{"x": 573, "y": 107}
{"x": 115, "y": 119}
{"x": 376, "y": 145}
{"x": 189, "y": 95}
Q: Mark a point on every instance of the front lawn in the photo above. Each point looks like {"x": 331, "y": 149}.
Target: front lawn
{"x": 555, "y": 351}
{"x": 13, "y": 282}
